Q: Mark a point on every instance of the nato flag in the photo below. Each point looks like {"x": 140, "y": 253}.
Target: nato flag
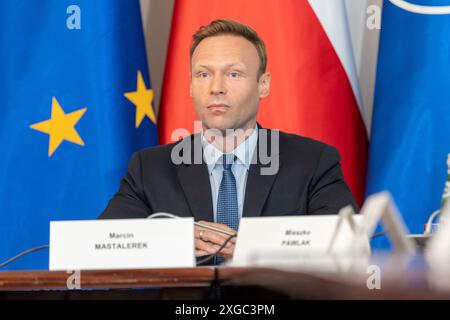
{"x": 411, "y": 118}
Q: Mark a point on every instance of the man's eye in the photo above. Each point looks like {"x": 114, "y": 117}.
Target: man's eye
{"x": 203, "y": 74}
{"x": 234, "y": 75}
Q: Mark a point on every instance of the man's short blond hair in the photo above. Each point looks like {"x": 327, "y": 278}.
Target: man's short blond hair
{"x": 227, "y": 26}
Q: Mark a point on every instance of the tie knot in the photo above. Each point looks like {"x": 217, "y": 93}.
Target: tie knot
{"x": 228, "y": 160}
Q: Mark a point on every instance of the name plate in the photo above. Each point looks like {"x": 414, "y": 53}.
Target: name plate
{"x": 122, "y": 244}
{"x": 271, "y": 239}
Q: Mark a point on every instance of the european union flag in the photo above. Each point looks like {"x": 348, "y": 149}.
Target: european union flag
{"x": 75, "y": 102}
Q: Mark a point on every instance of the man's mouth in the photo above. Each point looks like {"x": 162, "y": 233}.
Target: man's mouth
{"x": 218, "y": 107}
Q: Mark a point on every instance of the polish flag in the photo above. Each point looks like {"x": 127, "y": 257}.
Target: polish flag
{"x": 314, "y": 90}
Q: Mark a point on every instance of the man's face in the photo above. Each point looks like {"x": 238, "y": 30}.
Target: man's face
{"x": 224, "y": 82}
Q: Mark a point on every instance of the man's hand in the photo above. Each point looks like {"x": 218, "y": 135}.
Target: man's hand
{"x": 211, "y": 241}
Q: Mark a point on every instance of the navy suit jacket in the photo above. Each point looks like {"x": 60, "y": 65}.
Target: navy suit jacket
{"x": 308, "y": 181}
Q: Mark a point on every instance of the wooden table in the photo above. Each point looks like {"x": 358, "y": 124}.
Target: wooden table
{"x": 202, "y": 283}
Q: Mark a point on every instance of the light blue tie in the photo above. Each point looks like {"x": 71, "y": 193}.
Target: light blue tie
{"x": 227, "y": 203}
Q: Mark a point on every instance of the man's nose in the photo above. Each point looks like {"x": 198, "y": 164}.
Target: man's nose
{"x": 218, "y": 85}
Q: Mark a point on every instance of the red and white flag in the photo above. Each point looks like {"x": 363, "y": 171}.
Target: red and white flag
{"x": 314, "y": 90}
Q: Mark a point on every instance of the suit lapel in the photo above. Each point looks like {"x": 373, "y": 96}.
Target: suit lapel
{"x": 194, "y": 180}
{"x": 259, "y": 185}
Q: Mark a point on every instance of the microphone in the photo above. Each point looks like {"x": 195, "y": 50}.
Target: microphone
{"x": 169, "y": 215}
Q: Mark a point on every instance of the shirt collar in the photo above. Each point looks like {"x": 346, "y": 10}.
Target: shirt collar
{"x": 243, "y": 152}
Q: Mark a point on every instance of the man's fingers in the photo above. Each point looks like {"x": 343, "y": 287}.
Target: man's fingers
{"x": 211, "y": 248}
{"x": 208, "y": 241}
{"x": 219, "y": 226}
{"x": 225, "y": 252}
{"x": 208, "y": 247}
{"x": 212, "y": 236}
{"x": 201, "y": 253}
{"x": 205, "y": 234}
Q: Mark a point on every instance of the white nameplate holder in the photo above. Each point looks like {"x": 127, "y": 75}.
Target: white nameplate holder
{"x": 341, "y": 236}
{"x": 381, "y": 208}
{"x": 346, "y": 222}
{"x": 265, "y": 240}
{"x": 122, "y": 244}
{"x": 437, "y": 252}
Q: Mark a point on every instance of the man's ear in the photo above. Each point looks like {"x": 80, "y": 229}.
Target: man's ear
{"x": 190, "y": 89}
{"x": 264, "y": 85}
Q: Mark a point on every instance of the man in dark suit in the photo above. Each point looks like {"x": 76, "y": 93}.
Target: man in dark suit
{"x": 233, "y": 168}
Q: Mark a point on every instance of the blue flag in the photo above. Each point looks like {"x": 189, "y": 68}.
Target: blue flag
{"x": 75, "y": 102}
{"x": 410, "y": 136}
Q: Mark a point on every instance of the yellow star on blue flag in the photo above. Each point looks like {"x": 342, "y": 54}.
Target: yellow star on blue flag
{"x": 60, "y": 127}
{"x": 142, "y": 98}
